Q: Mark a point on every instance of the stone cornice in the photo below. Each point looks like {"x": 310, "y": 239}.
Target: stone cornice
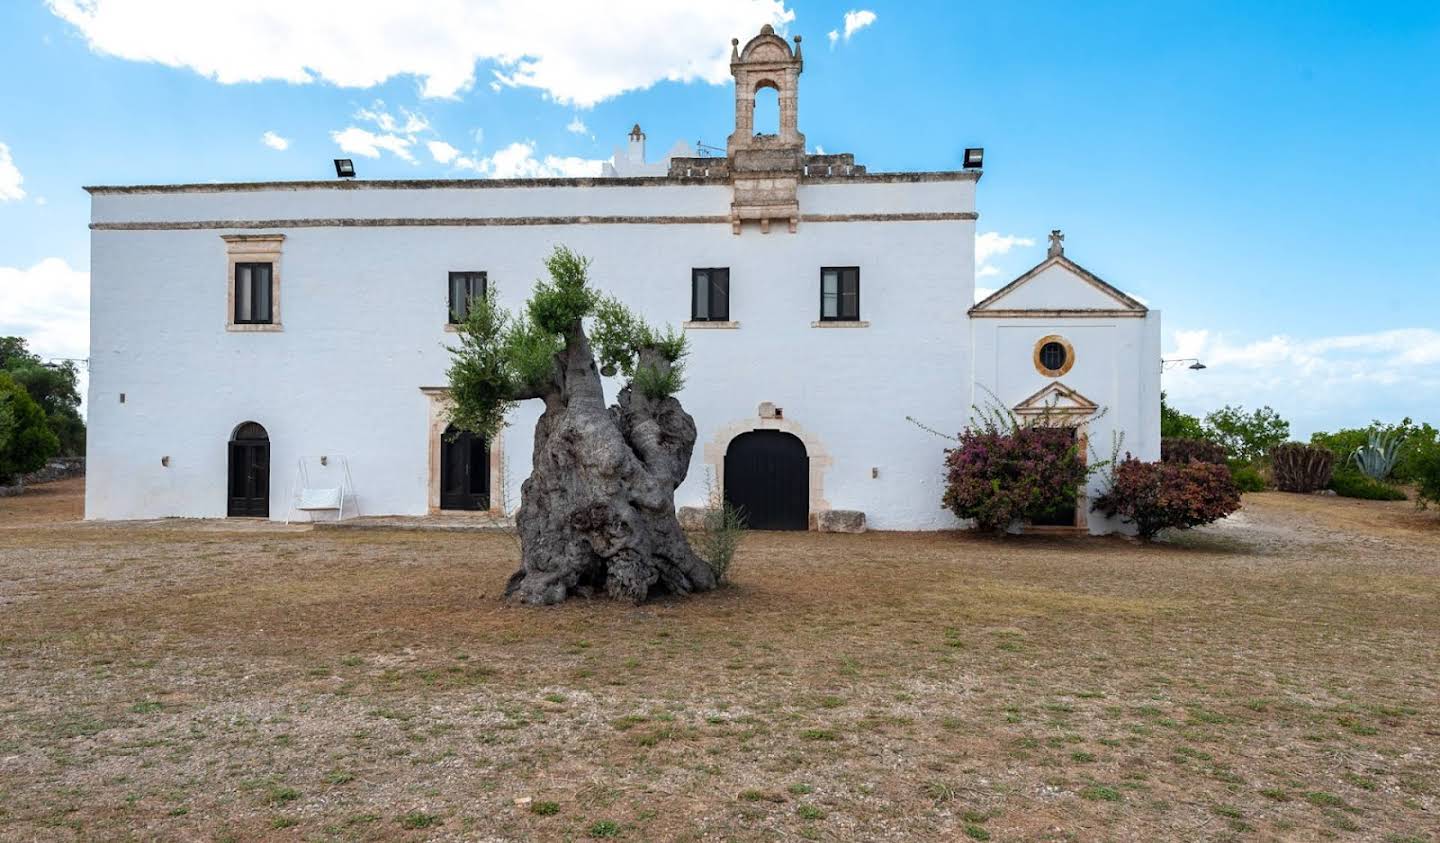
{"x": 500, "y": 184}
{"x": 443, "y": 222}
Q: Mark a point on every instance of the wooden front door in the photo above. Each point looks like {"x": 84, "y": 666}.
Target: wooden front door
{"x": 249, "y": 481}
{"x": 767, "y": 477}
{"x": 464, "y": 471}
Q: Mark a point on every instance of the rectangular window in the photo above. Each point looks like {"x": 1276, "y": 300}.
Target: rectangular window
{"x": 710, "y": 295}
{"x": 464, "y": 288}
{"x": 840, "y": 294}
{"x": 252, "y": 293}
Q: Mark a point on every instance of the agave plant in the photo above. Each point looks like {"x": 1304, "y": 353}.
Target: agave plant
{"x": 1377, "y": 457}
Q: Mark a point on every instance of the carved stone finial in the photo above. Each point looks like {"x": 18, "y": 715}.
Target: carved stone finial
{"x": 635, "y": 132}
{"x": 734, "y": 49}
{"x": 797, "y": 48}
{"x": 1057, "y": 243}
{"x": 767, "y": 29}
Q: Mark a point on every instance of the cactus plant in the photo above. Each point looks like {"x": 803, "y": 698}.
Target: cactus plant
{"x": 1377, "y": 457}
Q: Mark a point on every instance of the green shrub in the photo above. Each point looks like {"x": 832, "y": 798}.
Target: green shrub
{"x": 1426, "y": 465}
{"x": 1414, "y": 440}
{"x": 1301, "y": 468}
{"x": 720, "y": 538}
{"x": 1247, "y": 478}
{"x": 26, "y": 441}
{"x": 1353, "y": 484}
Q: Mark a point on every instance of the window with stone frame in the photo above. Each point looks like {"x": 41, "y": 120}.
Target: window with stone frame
{"x": 252, "y": 281}
{"x": 710, "y": 294}
{"x": 465, "y": 287}
{"x": 840, "y": 294}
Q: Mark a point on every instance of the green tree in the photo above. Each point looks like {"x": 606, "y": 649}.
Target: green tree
{"x": 55, "y": 387}
{"x": 25, "y": 438}
{"x": 1247, "y": 437}
{"x": 1175, "y": 424}
{"x": 598, "y": 510}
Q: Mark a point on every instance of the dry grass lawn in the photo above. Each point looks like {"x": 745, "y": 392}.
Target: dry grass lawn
{"x": 1275, "y": 677}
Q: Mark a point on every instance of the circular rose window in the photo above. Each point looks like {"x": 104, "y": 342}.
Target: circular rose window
{"x": 1053, "y": 356}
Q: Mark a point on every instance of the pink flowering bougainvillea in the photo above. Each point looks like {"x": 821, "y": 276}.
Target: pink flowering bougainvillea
{"x": 999, "y": 476}
{"x": 1157, "y": 495}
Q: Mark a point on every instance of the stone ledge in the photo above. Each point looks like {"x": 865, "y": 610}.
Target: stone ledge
{"x": 835, "y": 323}
{"x": 840, "y": 521}
{"x": 708, "y": 325}
{"x": 250, "y": 329}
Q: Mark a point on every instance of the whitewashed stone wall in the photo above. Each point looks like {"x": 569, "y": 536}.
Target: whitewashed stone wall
{"x": 365, "y": 306}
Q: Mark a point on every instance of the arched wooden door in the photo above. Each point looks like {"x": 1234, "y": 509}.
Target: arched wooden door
{"x": 249, "y": 481}
{"x": 767, "y": 476}
{"x": 464, "y": 471}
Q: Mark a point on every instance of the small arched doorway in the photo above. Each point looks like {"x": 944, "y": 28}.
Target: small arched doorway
{"x": 767, "y": 476}
{"x": 464, "y": 470}
{"x": 249, "y": 483}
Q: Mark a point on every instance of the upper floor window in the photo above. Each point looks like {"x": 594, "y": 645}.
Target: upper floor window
{"x": 253, "y": 302}
{"x": 840, "y": 294}
{"x": 254, "y": 281}
{"x": 710, "y": 294}
{"x": 465, "y": 287}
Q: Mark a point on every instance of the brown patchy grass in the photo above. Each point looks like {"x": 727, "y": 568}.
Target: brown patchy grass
{"x": 1273, "y": 678}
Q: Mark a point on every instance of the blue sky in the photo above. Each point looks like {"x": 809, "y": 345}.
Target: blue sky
{"x": 1265, "y": 174}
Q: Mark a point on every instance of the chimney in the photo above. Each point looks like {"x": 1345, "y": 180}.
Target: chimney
{"x": 636, "y": 152}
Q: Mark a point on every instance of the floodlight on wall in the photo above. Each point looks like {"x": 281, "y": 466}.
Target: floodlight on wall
{"x": 344, "y": 168}
{"x": 974, "y": 158}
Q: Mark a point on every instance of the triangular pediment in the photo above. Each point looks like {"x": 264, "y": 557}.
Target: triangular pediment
{"x": 1059, "y": 286}
{"x": 1059, "y": 399}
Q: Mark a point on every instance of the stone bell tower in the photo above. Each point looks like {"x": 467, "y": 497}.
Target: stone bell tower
{"x": 766, "y": 169}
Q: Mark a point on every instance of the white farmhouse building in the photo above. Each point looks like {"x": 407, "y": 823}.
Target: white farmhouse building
{"x": 241, "y": 331}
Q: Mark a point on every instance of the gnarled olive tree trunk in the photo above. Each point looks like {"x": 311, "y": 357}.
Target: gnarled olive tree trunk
{"x": 598, "y": 510}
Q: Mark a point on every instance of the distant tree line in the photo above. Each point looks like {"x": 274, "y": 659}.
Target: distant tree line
{"x": 39, "y": 410}
{"x": 1375, "y": 462}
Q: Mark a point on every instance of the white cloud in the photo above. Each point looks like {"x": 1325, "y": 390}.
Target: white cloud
{"x": 856, "y": 21}
{"x": 575, "y": 51}
{"x": 274, "y": 141}
{"x": 397, "y": 134}
{"x": 1319, "y": 382}
{"x": 834, "y": 36}
{"x": 49, "y": 305}
{"x": 357, "y": 141}
{"x": 442, "y": 152}
{"x": 577, "y": 126}
{"x": 994, "y": 244}
{"x": 10, "y": 178}
{"x": 409, "y": 122}
{"x": 983, "y": 293}
{"x": 518, "y": 161}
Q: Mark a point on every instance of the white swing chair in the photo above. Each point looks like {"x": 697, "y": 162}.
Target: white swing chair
{"x": 328, "y": 490}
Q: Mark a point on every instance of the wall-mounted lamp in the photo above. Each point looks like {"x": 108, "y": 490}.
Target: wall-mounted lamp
{"x": 344, "y": 168}
{"x": 974, "y": 158}
{"x": 324, "y": 460}
{"x": 165, "y": 461}
{"x": 1171, "y": 362}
